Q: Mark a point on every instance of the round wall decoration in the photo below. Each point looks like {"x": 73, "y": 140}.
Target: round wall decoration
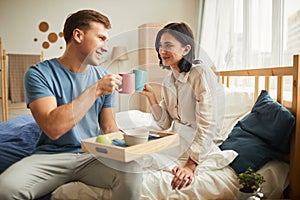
{"x": 46, "y": 45}
{"x": 52, "y": 37}
{"x": 44, "y": 26}
{"x": 61, "y": 34}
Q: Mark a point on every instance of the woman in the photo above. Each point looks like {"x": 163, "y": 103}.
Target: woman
{"x": 190, "y": 98}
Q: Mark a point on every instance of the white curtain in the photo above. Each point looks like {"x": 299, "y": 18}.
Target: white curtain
{"x": 239, "y": 34}
{"x": 217, "y": 25}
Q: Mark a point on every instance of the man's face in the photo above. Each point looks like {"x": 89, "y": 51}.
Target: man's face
{"x": 94, "y": 43}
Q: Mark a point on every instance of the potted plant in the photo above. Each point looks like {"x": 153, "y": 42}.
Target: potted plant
{"x": 250, "y": 182}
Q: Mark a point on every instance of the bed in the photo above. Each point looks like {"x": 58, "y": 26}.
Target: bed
{"x": 215, "y": 178}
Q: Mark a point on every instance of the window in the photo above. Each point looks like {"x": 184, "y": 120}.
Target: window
{"x": 240, "y": 34}
{"x": 251, "y": 33}
{"x": 291, "y": 30}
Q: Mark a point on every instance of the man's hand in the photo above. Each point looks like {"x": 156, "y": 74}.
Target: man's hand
{"x": 108, "y": 84}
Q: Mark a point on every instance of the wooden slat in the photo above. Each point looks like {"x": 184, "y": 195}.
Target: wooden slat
{"x": 295, "y": 144}
{"x": 4, "y": 88}
{"x": 267, "y": 83}
{"x": 16, "y": 107}
{"x": 280, "y": 89}
{"x": 2, "y": 82}
{"x": 277, "y": 71}
{"x": 42, "y": 56}
{"x": 228, "y": 81}
{"x": 256, "y": 87}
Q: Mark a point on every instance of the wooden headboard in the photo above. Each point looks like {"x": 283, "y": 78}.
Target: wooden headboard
{"x": 293, "y": 106}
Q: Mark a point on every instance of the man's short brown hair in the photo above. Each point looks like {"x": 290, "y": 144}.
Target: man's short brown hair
{"x": 81, "y": 20}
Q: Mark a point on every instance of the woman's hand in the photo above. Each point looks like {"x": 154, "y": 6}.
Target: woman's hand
{"x": 150, "y": 94}
{"x": 148, "y": 91}
{"x": 183, "y": 177}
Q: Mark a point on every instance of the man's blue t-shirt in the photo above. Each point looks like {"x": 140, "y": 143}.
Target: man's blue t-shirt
{"x": 50, "y": 78}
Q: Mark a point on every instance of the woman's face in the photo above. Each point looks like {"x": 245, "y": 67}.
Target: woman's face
{"x": 171, "y": 50}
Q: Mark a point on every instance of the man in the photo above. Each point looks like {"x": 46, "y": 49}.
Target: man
{"x": 70, "y": 99}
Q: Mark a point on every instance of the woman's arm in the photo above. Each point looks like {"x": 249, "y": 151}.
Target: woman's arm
{"x": 209, "y": 97}
{"x": 159, "y": 111}
{"x": 150, "y": 94}
{"x": 155, "y": 108}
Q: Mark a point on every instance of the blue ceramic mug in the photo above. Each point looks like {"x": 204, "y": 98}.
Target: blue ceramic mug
{"x": 140, "y": 79}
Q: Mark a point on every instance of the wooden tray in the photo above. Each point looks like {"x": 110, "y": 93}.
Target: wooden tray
{"x": 126, "y": 154}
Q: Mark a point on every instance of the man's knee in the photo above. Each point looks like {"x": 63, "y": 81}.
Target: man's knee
{"x": 131, "y": 177}
{"x": 9, "y": 190}
{"x": 127, "y": 186}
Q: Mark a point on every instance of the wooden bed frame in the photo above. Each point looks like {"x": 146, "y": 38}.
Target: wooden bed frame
{"x": 5, "y": 107}
{"x": 293, "y": 106}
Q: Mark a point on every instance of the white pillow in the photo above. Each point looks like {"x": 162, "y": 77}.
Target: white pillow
{"x": 132, "y": 119}
{"x": 237, "y": 104}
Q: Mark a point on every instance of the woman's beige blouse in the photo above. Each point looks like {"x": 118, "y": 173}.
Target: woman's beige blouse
{"x": 193, "y": 99}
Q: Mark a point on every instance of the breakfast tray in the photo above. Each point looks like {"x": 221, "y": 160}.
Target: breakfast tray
{"x": 126, "y": 154}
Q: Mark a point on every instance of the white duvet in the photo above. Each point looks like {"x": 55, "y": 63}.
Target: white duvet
{"x": 214, "y": 178}
{"x": 213, "y": 183}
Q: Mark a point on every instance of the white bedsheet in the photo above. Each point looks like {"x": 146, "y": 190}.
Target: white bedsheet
{"x": 214, "y": 184}
{"x": 208, "y": 184}
{"x": 214, "y": 179}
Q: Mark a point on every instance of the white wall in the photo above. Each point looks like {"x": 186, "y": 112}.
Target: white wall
{"x": 19, "y": 20}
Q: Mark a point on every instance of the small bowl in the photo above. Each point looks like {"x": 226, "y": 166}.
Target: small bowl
{"x": 138, "y": 136}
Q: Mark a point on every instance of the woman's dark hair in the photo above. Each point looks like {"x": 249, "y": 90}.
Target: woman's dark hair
{"x": 183, "y": 33}
{"x": 81, "y": 20}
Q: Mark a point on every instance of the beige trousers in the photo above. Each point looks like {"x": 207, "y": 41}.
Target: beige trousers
{"x": 39, "y": 174}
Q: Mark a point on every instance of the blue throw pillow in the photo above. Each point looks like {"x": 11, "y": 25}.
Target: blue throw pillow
{"x": 271, "y": 122}
{"x": 18, "y": 137}
{"x": 252, "y": 151}
{"x": 262, "y": 135}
